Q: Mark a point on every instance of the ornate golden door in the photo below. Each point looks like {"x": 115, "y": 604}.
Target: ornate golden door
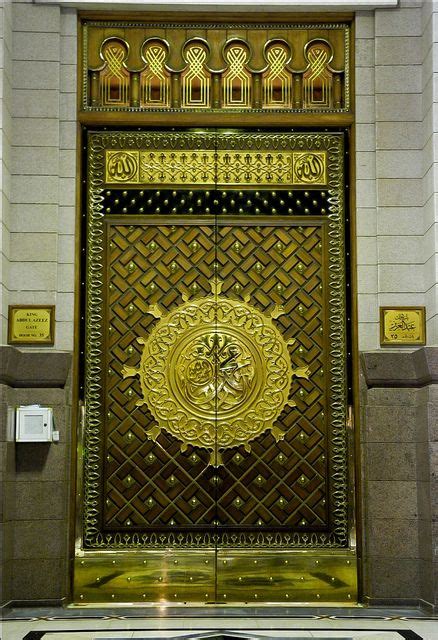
{"x": 215, "y": 453}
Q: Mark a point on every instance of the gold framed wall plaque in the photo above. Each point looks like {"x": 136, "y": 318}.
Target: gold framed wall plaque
{"x": 31, "y": 324}
{"x": 402, "y": 326}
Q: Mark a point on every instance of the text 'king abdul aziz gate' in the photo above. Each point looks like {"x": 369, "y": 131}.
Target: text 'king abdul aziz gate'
{"x": 214, "y": 446}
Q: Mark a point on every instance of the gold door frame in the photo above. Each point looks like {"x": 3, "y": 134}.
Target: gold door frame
{"x": 297, "y": 568}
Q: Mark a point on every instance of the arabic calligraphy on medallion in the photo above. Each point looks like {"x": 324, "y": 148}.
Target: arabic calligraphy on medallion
{"x": 215, "y": 373}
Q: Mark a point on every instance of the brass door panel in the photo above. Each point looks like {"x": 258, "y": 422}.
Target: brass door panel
{"x": 215, "y": 445}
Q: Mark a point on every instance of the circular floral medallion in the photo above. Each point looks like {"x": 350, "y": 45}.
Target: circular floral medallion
{"x": 215, "y": 373}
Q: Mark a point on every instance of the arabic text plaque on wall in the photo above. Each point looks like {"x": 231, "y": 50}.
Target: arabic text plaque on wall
{"x": 31, "y": 324}
{"x": 402, "y": 326}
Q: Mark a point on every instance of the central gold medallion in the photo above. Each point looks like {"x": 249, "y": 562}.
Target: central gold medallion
{"x": 215, "y": 372}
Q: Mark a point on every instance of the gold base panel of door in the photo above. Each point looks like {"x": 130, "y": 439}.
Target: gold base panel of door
{"x": 216, "y": 576}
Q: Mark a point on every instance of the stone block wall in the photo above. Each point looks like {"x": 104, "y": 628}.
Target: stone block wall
{"x": 5, "y": 194}
{"x": 37, "y": 227}
{"x": 5, "y": 151}
{"x": 430, "y": 165}
{"x": 396, "y": 221}
{"x": 366, "y": 209}
{"x": 36, "y": 479}
{"x": 399, "y": 471}
{"x": 395, "y": 166}
{"x": 397, "y": 265}
{"x": 43, "y": 162}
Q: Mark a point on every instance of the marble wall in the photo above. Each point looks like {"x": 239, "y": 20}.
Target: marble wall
{"x": 397, "y": 248}
{"x": 43, "y": 162}
{"x": 5, "y": 192}
{"x": 36, "y": 479}
{"x": 396, "y": 219}
{"x": 399, "y": 468}
{"x": 5, "y": 153}
{"x": 395, "y": 189}
{"x": 38, "y": 217}
{"x": 429, "y": 165}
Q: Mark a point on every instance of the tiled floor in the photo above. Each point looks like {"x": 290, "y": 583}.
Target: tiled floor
{"x": 227, "y": 622}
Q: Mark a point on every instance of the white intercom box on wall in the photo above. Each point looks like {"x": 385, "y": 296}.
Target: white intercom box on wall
{"x": 34, "y": 424}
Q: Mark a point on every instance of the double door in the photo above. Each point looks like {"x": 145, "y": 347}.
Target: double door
{"x": 215, "y": 462}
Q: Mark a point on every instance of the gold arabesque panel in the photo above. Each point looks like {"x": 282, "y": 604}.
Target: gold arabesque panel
{"x": 215, "y": 371}
{"x": 135, "y": 66}
{"x": 167, "y": 168}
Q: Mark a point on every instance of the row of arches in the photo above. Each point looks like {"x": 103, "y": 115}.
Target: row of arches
{"x": 236, "y": 85}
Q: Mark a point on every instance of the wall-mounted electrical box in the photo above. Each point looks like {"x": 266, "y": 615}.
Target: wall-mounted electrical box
{"x": 34, "y": 424}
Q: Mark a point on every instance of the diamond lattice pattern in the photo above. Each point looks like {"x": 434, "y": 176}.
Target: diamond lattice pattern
{"x": 153, "y": 485}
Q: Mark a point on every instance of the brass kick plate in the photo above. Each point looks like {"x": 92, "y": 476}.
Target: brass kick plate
{"x": 215, "y": 576}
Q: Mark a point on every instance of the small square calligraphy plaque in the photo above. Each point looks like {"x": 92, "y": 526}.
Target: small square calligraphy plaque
{"x": 402, "y": 326}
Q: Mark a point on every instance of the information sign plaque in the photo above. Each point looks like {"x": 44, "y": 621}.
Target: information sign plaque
{"x": 31, "y": 324}
{"x": 402, "y": 326}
